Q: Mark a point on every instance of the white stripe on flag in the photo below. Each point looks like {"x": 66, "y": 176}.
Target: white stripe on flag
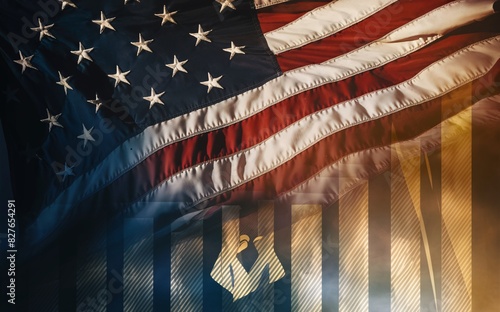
{"x": 322, "y": 22}
{"x": 444, "y": 19}
{"x": 259, "y": 4}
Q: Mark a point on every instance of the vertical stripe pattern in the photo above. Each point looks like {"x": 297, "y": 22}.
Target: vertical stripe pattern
{"x": 186, "y": 282}
{"x": 405, "y": 233}
{"x": 330, "y": 257}
{"x": 379, "y": 232}
{"x": 266, "y": 228}
{"x": 161, "y": 265}
{"x": 353, "y": 250}
{"x": 222, "y": 271}
{"x": 138, "y": 266}
{"x": 91, "y": 275}
{"x": 306, "y": 258}
{"x": 265, "y": 246}
{"x": 456, "y": 202}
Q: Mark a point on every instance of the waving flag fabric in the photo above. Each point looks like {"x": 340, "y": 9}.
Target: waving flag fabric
{"x": 197, "y": 155}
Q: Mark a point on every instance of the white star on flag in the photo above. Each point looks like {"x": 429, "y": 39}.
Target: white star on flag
{"x": 212, "y": 83}
{"x": 82, "y": 53}
{"x": 43, "y": 30}
{"x": 104, "y": 22}
{"x": 86, "y": 135}
{"x": 154, "y": 98}
{"x": 142, "y": 45}
{"x": 177, "y": 66}
{"x": 63, "y": 81}
{"x": 166, "y": 16}
{"x": 119, "y": 76}
{"x": 65, "y": 3}
{"x": 226, "y": 4}
{"x": 24, "y": 61}
{"x": 97, "y": 102}
{"x": 201, "y": 35}
{"x": 234, "y": 50}
{"x": 52, "y": 120}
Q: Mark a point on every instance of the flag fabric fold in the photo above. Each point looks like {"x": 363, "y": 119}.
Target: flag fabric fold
{"x": 172, "y": 111}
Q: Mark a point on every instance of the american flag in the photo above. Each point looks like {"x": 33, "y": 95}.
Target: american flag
{"x": 215, "y": 155}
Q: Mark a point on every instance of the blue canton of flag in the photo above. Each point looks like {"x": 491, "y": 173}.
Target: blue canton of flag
{"x": 101, "y": 72}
